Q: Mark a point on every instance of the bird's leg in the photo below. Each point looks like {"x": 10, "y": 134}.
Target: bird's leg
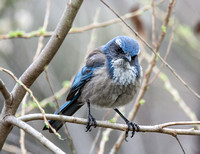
{"x": 91, "y": 119}
{"x": 129, "y": 124}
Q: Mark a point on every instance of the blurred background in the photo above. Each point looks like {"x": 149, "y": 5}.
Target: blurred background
{"x": 160, "y": 106}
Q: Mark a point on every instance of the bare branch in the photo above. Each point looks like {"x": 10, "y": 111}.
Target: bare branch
{"x": 6, "y": 94}
{"x": 122, "y": 127}
{"x": 38, "y": 136}
{"x": 153, "y": 25}
{"x": 165, "y": 24}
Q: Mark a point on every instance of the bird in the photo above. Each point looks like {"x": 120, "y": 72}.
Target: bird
{"x": 110, "y": 78}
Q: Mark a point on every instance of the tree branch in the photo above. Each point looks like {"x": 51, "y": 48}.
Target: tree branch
{"x": 160, "y": 128}
{"x": 38, "y": 136}
{"x": 6, "y": 94}
{"x": 37, "y": 67}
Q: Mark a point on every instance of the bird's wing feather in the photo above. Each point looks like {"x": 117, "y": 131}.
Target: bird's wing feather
{"x": 95, "y": 60}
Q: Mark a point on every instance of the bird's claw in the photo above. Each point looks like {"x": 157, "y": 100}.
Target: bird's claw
{"x": 91, "y": 121}
{"x": 134, "y": 126}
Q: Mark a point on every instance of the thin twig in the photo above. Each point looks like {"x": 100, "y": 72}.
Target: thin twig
{"x": 122, "y": 127}
{"x": 165, "y": 58}
{"x": 153, "y": 25}
{"x": 51, "y": 88}
{"x": 22, "y": 133}
{"x": 179, "y": 123}
{"x": 165, "y": 24}
{"x": 176, "y": 137}
{"x": 37, "y": 135}
{"x": 44, "y": 27}
{"x": 93, "y": 37}
{"x": 154, "y": 51}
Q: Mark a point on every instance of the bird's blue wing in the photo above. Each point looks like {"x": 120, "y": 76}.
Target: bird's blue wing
{"x": 79, "y": 81}
{"x": 95, "y": 60}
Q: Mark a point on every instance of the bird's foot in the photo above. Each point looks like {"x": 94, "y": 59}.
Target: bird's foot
{"x": 91, "y": 121}
{"x": 134, "y": 126}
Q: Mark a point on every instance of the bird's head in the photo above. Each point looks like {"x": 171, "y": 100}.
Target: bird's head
{"x": 122, "y": 54}
{"x": 122, "y": 47}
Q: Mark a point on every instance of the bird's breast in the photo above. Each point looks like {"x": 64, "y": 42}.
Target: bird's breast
{"x": 123, "y": 73}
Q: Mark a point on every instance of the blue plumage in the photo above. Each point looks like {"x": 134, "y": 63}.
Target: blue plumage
{"x": 109, "y": 79}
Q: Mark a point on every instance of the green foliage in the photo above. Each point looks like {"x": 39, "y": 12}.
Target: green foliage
{"x": 66, "y": 84}
{"x": 157, "y": 56}
{"x": 41, "y": 31}
{"x": 164, "y": 28}
{"x": 112, "y": 120}
{"x": 58, "y": 96}
{"x": 185, "y": 32}
{"x": 17, "y": 33}
{"x": 31, "y": 34}
{"x": 106, "y": 138}
{"x": 163, "y": 76}
{"x": 25, "y": 105}
{"x": 142, "y": 101}
{"x": 74, "y": 28}
{"x": 46, "y": 67}
{"x": 176, "y": 95}
{"x": 46, "y": 124}
{"x": 33, "y": 104}
{"x": 51, "y": 104}
{"x": 20, "y": 83}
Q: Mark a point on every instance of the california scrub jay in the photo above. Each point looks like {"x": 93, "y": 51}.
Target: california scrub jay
{"x": 110, "y": 78}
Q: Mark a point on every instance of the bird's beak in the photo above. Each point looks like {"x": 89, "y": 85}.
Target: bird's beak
{"x": 127, "y": 57}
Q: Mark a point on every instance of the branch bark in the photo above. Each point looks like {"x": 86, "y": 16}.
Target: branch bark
{"x": 160, "y": 128}
{"x": 6, "y": 94}
{"x": 37, "y": 67}
{"x": 38, "y": 136}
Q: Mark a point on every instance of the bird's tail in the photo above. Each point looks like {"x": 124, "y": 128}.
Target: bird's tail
{"x": 68, "y": 109}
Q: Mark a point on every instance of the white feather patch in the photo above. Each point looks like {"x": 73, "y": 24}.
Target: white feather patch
{"x": 119, "y": 42}
{"x": 123, "y": 73}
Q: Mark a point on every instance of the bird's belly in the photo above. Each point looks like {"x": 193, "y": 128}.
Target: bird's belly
{"x": 102, "y": 91}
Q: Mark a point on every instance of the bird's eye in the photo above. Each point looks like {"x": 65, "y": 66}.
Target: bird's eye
{"x": 133, "y": 57}
{"x": 119, "y": 50}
